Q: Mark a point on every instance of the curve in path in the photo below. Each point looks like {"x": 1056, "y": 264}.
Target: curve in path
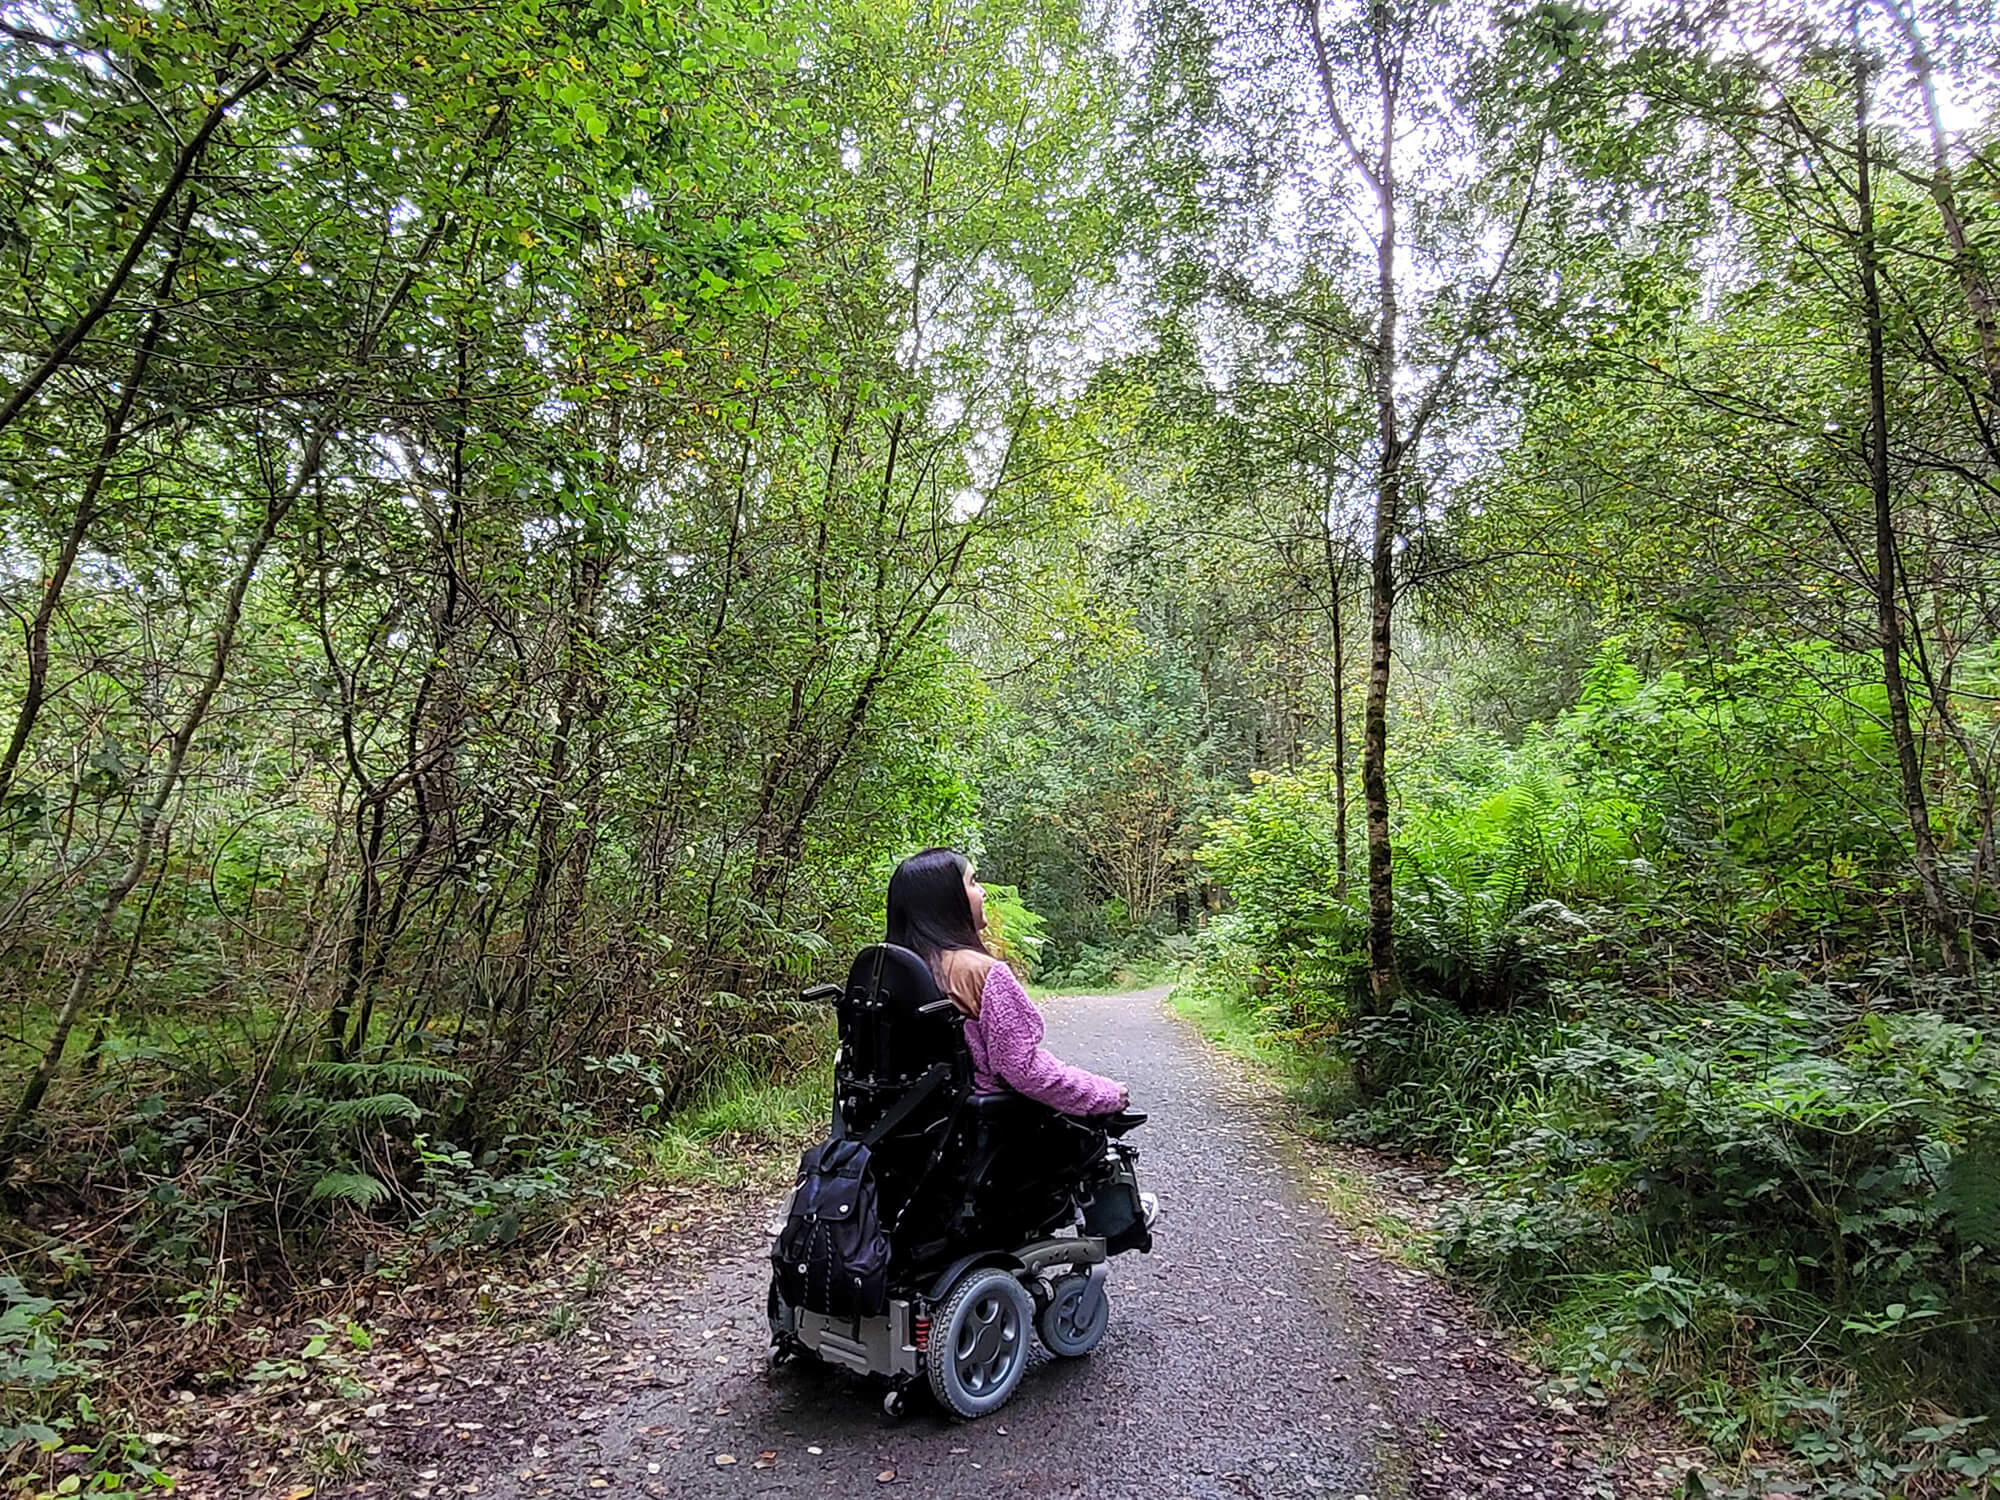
{"x": 1256, "y": 1352}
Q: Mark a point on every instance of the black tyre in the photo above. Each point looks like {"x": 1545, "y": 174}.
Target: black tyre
{"x": 785, "y": 1347}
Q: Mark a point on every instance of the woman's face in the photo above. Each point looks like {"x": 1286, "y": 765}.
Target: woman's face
{"x": 975, "y": 895}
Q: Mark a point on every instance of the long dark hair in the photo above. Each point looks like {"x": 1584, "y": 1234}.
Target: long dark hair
{"x": 929, "y": 912}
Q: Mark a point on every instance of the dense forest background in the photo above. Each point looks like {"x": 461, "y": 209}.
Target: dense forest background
{"x": 1466, "y": 533}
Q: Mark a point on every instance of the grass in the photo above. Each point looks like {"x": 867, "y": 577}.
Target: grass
{"x": 1355, "y": 1202}
{"x": 1225, "y": 1016}
{"x": 336, "y": 1458}
{"x": 1230, "y": 1018}
{"x": 740, "y": 1122}
{"x": 1315, "y": 1089}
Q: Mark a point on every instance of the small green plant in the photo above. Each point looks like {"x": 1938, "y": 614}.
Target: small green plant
{"x": 53, "y": 1430}
{"x": 492, "y": 1199}
{"x": 732, "y": 1127}
{"x": 325, "y": 1360}
{"x": 642, "y": 1081}
{"x": 590, "y": 1277}
{"x": 339, "y": 1456}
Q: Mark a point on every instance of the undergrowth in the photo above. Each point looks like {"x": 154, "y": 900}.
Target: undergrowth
{"x": 741, "y": 1122}
{"x": 1147, "y": 959}
{"x": 1724, "y": 1135}
{"x": 71, "y": 1404}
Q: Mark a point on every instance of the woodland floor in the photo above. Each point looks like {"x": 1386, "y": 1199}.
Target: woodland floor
{"x": 1270, "y": 1346}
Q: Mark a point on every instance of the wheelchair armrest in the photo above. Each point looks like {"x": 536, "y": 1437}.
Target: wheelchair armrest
{"x": 1006, "y": 1105}
{"x": 1116, "y": 1125}
{"x": 822, "y": 994}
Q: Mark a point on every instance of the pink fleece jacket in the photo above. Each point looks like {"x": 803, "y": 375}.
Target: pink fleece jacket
{"x": 1005, "y": 1039}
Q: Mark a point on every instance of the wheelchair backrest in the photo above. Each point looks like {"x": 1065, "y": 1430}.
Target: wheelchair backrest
{"x": 901, "y": 1078}
{"x": 895, "y": 1024}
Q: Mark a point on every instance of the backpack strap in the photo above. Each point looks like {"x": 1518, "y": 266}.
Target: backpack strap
{"x": 937, "y": 1153}
{"x": 903, "y": 1107}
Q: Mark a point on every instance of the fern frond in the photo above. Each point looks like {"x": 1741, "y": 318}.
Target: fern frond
{"x": 370, "y": 1109}
{"x": 359, "y": 1188}
{"x": 393, "y": 1074}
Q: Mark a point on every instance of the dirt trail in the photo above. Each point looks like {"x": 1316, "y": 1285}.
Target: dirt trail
{"x": 1259, "y": 1351}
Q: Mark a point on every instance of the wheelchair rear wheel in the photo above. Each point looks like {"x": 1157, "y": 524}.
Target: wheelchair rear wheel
{"x": 785, "y": 1349}
{"x": 979, "y": 1342}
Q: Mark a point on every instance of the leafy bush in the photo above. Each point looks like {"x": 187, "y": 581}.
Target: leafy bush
{"x": 1709, "y": 1136}
{"x": 52, "y": 1426}
{"x": 1501, "y": 840}
{"x": 492, "y": 1198}
{"x": 1796, "y": 1147}
{"x": 1013, "y": 932}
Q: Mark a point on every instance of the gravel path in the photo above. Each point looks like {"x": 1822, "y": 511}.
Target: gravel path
{"x": 1257, "y": 1352}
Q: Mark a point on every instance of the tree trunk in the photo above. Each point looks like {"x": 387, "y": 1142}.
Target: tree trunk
{"x": 1382, "y": 977}
{"x": 370, "y": 818}
{"x": 1379, "y": 173}
{"x": 1391, "y": 33}
{"x": 1979, "y": 298}
{"x": 580, "y": 651}
{"x": 1940, "y": 690}
{"x": 1339, "y": 716}
{"x": 1937, "y": 909}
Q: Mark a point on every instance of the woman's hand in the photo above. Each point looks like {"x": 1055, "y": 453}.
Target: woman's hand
{"x": 1124, "y": 1097}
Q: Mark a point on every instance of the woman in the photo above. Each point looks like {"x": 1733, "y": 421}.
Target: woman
{"x": 937, "y": 910}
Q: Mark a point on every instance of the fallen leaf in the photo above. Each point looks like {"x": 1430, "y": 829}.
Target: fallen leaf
{"x": 724, "y": 1460}
{"x": 887, "y": 1476}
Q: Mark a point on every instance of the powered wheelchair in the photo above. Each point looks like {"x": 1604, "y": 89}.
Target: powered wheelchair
{"x": 999, "y": 1214}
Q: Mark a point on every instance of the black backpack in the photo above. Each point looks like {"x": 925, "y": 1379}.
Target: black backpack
{"x": 832, "y": 1255}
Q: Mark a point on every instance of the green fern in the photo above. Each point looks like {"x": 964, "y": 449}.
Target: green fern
{"x": 369, "y": 1110}
{"x": 359, "y": 1188}
{"x": 374, "y": 1076}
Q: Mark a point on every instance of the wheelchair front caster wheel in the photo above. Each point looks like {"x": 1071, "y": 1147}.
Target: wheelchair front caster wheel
{"x": 1078, "y": 1312}
{"x": 895, "y": 1403}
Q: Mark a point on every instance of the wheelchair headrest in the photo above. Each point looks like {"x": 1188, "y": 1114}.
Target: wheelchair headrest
{"x": 894, "y": 1021}
{"x": 892, "y": 977}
